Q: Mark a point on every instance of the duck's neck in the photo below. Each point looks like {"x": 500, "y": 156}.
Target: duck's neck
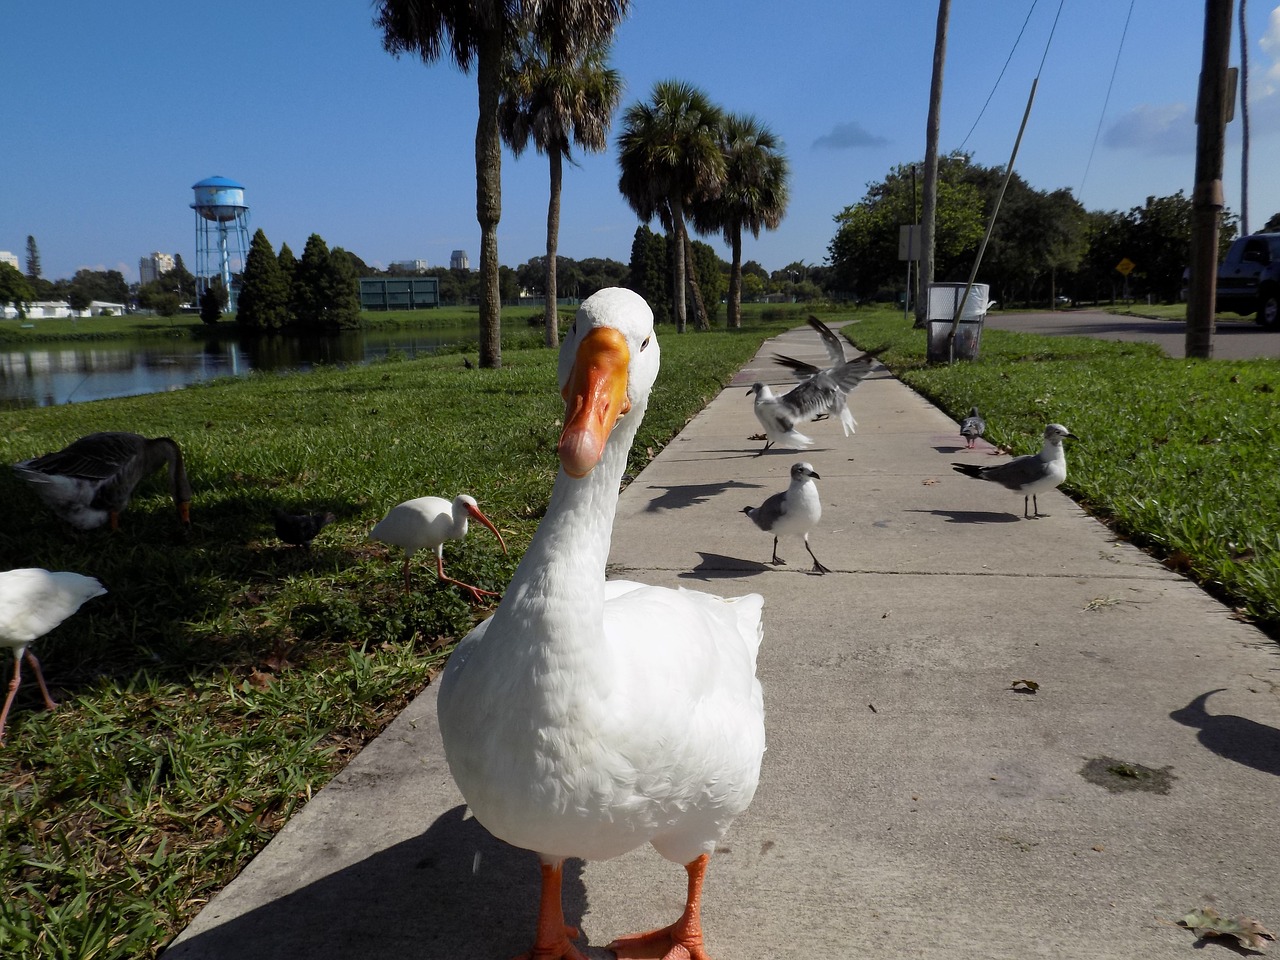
{"x": 559, "y": 584}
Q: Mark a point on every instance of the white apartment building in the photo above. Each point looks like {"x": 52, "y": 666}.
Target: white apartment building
{"x": 150, "y": 268}
{"x": 458, "y": 260}
{"x": 10, "y": 258}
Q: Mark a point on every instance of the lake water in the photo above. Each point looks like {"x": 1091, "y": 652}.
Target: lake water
{"x": 55, "y": 373}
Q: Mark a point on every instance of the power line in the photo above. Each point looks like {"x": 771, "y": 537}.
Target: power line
{"x": 1001, "y": 77}
{"x": 1097, "y": 133}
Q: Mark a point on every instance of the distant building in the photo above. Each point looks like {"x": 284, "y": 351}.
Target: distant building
{"x": 399, "y": 293}
{"x": 413, "y": 266}
{"x": 150, "y": 268}
{"x": 458, "y": 260}
{"x": 10, "y": 259}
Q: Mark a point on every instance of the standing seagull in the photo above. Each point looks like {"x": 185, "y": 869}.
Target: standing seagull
{"x": 33, "y": 602}
{"x": 428, "y": 522}
{"x": 792, "y": 513}
{"x": 587, "y": 717}
{"x": 89, "y": 482}
{"x": 1031, "y": 474}
{"x": 828, "y": 388}
{"x": 972, "y": 427}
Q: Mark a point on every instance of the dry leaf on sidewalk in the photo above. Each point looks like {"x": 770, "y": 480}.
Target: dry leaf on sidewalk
{"x": 1207, "y": 922}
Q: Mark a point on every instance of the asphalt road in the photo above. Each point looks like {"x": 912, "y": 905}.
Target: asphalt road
{"x": 1233, "y": 339}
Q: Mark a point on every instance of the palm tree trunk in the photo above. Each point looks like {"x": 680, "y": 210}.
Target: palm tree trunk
{"x": 735, "y": 281}
{"x": 552, "y": 315}
{"x": 700, "y": 321}
{"x": 489, "y": 195}
{"x": 678, "y": 265}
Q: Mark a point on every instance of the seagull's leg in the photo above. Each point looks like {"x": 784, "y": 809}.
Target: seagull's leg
{"x": 817, "y": 564}
{"x": 35, "y": 665}
{"x": 1035, "y": 505}
{"x": 1025, "y": 505}
{"x": 777, "y": 561}
{"x": 552, "y": 940}
{"x": 13, "y": 689}
{"x": 476, "y": 592}
{"x": 684, "y": 937}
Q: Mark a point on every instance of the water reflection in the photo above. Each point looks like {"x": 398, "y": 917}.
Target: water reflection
{"x": 45, "y": 375}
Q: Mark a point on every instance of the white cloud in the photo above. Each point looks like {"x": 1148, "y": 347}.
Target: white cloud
{"x": 1270, "y": 44}
{"x": 1158, "y": 129}
{"x": 849, "y": 136}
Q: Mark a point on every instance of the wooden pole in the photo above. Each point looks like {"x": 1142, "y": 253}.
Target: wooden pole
{"x": 1206, "y": 196}
{"x": 929, "y": 193}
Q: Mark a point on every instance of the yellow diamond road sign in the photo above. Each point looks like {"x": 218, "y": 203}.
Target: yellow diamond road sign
{"x": 1126, "y": 266}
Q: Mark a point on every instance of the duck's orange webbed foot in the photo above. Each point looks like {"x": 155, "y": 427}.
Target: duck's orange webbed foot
{"x": 553, "y": 941}
{"x": 680, "y": 941}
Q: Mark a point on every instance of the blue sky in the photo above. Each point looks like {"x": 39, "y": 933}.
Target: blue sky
{"x": 113, "y": 111}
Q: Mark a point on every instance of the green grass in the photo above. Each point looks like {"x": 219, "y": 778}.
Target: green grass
{"x": 225, "y": 677}
{"x": 1178, "y": 455}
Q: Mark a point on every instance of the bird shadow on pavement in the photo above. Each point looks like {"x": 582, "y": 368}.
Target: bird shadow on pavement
{"x": 715, "y": 566}
{"x": 1238, "y": 739}
{"x": 689, "y": 494}
{"x": 972, "y": 516}
{"x": 454, "y": 891}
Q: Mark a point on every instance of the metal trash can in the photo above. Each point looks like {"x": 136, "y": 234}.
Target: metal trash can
{"x": 943, "y": 300}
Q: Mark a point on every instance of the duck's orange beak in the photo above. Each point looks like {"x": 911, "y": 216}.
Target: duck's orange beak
{"x": 594, "y": 398}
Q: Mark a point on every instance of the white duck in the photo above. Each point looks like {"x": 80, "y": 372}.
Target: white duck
{"x": 33, "y": 602}
{"x": 585, "y": 718}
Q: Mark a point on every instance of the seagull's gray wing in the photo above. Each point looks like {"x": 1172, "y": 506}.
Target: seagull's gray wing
{"x": 849, "y": 375}
{"x": 1018, "y": 472}
{"x": 833, "y": 344}
{"x": 811, "y": 398}
{"x": 769, "y": 512}
{"x": 799, "y": 369}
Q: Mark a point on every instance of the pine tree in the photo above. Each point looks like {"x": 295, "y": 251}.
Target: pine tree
{"x": 264, "y": 295}
{"x": 33, "y": 259}
{"x": 288, "y": 268}
{"x": 343, "y": 290}
{"x": 308, "y": 299}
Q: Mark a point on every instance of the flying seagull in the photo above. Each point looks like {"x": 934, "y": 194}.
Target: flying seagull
{"x": 972, "y": 427}
{"x": 826, "y": 390}
{"x": 779, "y": 417}
{"x": 792, "y": 513}
{"x": 1031, "y": 474}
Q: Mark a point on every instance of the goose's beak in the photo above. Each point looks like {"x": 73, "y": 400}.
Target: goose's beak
{"x": 595, "y": 397}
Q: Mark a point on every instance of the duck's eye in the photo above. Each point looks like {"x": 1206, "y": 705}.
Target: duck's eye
{"x": 646, "y": 343}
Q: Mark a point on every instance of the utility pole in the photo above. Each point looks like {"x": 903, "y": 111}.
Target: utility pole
{"x": 1206, "y": 196}
{"x": 928, "y": 213}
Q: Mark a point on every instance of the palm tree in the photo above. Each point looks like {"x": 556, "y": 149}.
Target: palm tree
{"x": 754, "y": 194}
{"x": 558, "y": 101}
{"x": 485, "y": 32}
{"x": 669, "y": 152}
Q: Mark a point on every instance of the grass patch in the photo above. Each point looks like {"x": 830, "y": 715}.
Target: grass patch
{"x": 225, "y": 677}
{"x": 1178, "y": 455}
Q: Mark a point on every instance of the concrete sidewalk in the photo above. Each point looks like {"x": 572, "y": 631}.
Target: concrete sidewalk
{"x": 912, "y": 802}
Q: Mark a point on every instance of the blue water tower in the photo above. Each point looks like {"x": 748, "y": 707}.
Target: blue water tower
{"x": 222, "y": 234}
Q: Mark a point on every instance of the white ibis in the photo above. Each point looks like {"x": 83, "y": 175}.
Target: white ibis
{"x": 89, "y": 482}
{"x": 428, "y": 522}
{"x": 792, "y": 513}
{"x": 1029, "y": 475}
{"x": 586, "y": 717}
{"x": 33, "y": 602}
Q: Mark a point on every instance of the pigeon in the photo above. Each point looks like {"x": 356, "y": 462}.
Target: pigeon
{"x": 1031, "y": 474}
{"x": 300, "y": 529}
{"x": 792, "y": 513}
{"x": 972, "y": 427}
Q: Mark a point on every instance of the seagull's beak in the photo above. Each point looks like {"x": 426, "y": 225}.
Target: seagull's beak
{"x": 481, "y": 518}
{"x": 595, "y": 397}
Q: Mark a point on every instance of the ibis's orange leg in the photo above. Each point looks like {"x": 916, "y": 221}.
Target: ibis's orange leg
{"x": 683, "y": 939}
{"x": 35, "y": 665}
{"x": 552, "y": 941}
{"x": 476, "y": 592}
